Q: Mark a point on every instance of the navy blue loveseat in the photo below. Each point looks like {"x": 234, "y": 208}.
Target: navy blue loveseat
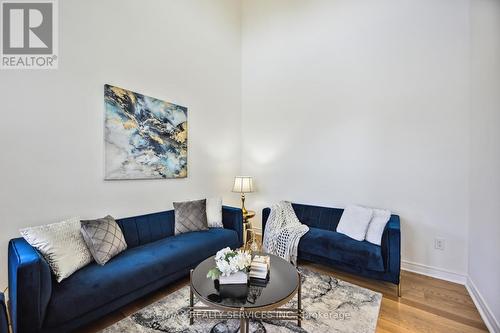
{"x": 154, "y": 258}
{"x": 323, "y": 245}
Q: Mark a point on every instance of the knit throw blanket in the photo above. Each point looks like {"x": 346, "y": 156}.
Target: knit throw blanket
{"x": 283, "y": 232}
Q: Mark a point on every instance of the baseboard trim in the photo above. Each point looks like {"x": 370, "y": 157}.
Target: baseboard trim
{"x": 489, "y": 319}
{"x": 435, "y": 272}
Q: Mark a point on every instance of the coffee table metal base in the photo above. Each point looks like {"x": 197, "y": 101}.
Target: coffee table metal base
{"x": 245, "y": 314}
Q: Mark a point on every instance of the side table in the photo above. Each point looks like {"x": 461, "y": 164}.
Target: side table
{"x": 247, "y": 227}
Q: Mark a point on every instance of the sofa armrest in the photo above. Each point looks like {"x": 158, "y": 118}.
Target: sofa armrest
{"x": 391, "y": 247}
{"x": 265, "y": 215}
{"x": 232, "y": 218}
{"x": 30, "y": 286}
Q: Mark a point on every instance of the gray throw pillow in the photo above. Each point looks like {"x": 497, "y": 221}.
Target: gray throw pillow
{"x": 190, "y": 216}
{"x": 104, "y": 238}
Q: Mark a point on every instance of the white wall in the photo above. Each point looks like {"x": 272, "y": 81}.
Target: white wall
{"x": 484, "y": 228}
{"x": 362, "y": 102}
{"x": 51, "y": 129}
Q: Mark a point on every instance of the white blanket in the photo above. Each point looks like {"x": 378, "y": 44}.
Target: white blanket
{"x": 283, "y": 232}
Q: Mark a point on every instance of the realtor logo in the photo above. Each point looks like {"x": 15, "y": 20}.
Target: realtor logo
{"x": 29, "y": 34}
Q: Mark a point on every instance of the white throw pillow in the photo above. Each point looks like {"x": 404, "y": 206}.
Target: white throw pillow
{"x": 377, "y": 225}
{"x": 214, "y": 212}
{"x": 354, "y": 222}
{"x": 61, "y": 244}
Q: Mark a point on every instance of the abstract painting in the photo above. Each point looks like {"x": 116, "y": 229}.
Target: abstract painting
{"x": 145, "y": 138}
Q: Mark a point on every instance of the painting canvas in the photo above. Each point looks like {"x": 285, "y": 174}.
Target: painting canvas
{"x": 146, "y": 138}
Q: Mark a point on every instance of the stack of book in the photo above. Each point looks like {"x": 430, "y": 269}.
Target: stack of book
{"x": 259, "y": 270}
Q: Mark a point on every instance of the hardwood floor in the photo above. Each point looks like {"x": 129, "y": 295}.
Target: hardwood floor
{"x": 427, "y": 304}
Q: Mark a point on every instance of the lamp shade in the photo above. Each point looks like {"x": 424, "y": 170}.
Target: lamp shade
{"x": 243, "y": 184}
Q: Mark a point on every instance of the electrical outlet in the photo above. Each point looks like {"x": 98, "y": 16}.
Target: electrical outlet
{"x": 439, "y": 244}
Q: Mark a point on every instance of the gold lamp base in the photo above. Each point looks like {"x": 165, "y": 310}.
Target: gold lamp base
{"x": 243, "y": 209}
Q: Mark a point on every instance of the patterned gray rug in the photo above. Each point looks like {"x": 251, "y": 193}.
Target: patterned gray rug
{"x": 330, "y": 305}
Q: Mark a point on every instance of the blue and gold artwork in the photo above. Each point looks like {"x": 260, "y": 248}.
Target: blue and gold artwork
{"x": 146, "y": 138}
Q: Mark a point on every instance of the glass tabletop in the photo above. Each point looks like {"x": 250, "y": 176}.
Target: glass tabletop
{"x": 283, "y": 283}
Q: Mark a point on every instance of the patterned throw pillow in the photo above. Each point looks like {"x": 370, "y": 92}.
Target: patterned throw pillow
{"x": 190, "y": 216}
{"x": 104, "y": 238}
{"x": 62, "y": 246}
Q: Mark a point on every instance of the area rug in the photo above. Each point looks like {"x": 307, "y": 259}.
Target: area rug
{"x": 330, "y": 305}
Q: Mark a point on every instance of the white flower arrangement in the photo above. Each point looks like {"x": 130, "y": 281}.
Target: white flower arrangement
{"x": 228, "y": 262}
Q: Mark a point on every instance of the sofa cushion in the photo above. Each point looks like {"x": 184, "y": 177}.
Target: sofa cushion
{"x": 95, "y": 285}
{"x": 341, "y": 248}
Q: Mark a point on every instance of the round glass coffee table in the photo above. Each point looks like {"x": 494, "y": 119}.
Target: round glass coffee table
{"x": 260, "y": 302}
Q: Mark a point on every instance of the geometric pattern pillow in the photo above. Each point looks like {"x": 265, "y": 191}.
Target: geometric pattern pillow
{"x": 62, "y": 246}
{"x": 104, "y": 238}
{"x": 190, "y": 216}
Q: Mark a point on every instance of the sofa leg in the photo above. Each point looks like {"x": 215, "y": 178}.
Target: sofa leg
{"x": 191, "y": 299}
{"x": 399, "y": 289}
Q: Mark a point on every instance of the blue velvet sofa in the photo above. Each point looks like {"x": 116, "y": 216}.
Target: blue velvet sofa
{"x": 323, "y": 245}
{"x": 154, "y": 258}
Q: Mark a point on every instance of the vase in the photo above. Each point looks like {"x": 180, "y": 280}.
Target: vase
{"x": 240, "y": 277}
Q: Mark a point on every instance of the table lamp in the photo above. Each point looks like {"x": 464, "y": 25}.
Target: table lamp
{"x": 243, "y": 184}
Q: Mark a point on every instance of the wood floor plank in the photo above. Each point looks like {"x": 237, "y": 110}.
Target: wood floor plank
{"x": 415, "y": 320}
